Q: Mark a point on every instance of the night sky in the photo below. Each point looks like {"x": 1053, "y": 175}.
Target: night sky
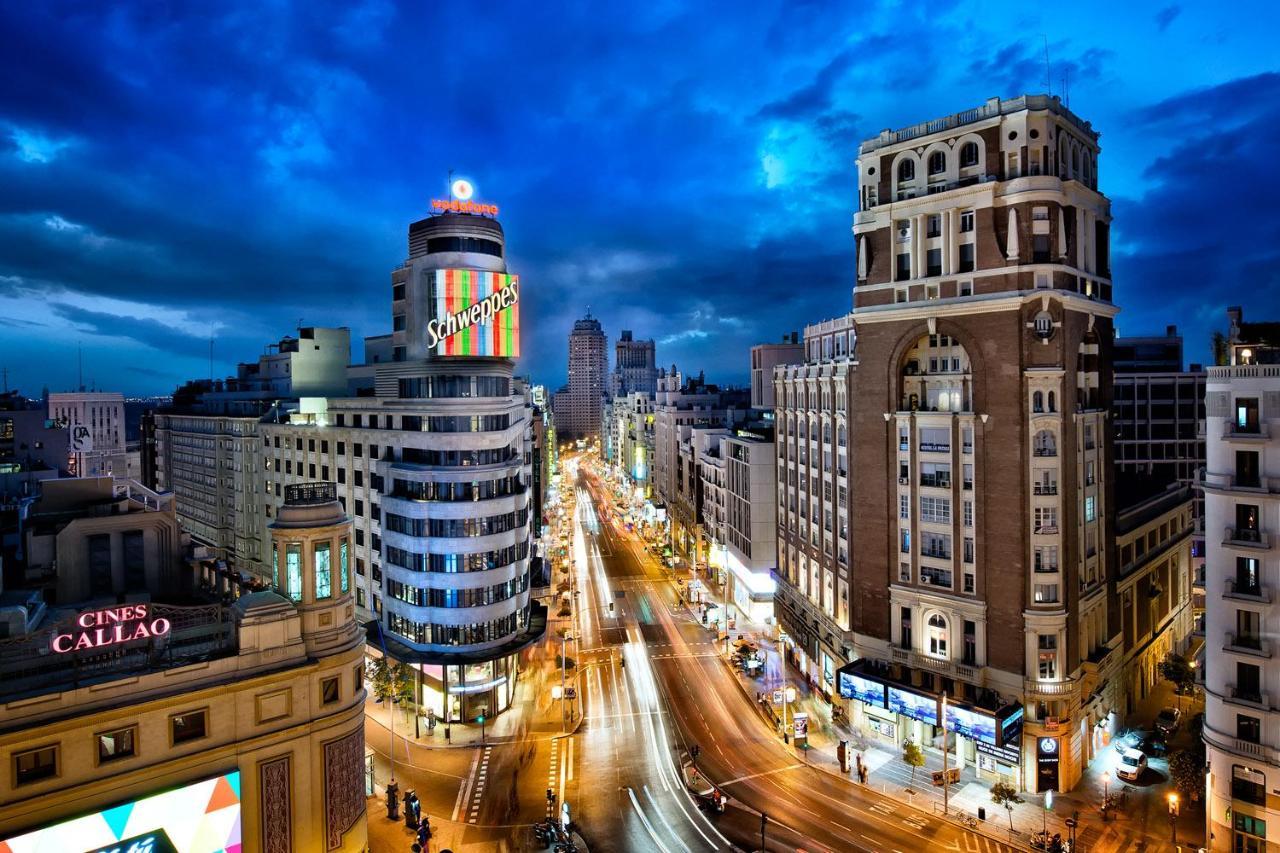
{"x": 171, "y": 172}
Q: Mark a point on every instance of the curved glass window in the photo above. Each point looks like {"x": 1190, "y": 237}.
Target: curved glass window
{"x": 324, "y": 571}
{"x": 481, "y": 561}
{"x": 460, "y": 458}
{"x": 456, "y": 527}
{"x": 475, "y": 490}
{"x": 423, "y": 387}
{"x": 477, "y": 597}
{"x": 293, "y": 569}
{"x": 478, "y": 245}
{"x": 343, "y": 563}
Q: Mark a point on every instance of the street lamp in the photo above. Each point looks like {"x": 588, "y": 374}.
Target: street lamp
{"x": 1106, "y": 795}
{"x": 1173, "y": 817}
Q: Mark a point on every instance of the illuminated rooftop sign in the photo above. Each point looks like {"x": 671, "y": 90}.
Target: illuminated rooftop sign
{"x": 474, "y": 313}
{"x": 111, "y": 626}
{"x": 447, "y": 205}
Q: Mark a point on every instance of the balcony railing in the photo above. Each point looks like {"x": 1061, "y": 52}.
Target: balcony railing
{"x": 1248, "y": 695}
{"x": 935, "y": 481}
{"x": 1248, "y": 644}
{"x": 1245, "y": 592}
{"x": 1246, "y": 537}
{"x": 1045, "y": 452}
{"x": 1045, "y": 489}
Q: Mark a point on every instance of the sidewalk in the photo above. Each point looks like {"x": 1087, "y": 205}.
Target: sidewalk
{"x": 533, "y": 713}
{"x": 1142, "y": 825}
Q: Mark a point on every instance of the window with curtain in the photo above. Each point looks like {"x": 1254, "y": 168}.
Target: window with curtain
{"x": 324, "y": 571}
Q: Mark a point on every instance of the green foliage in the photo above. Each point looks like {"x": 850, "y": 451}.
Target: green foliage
{"x": 380, "y": 675}
{"x": 1186, "y": 770}
{"x": 405, "y": 684}
{"x": 1218, "y": 345}
{"x": 1004, "y": 794}
{"x": 1177, "y": 671}
{"x": 913, "y": 755}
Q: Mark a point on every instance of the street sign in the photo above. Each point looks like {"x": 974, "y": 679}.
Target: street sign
{"x": 779, "y": 697}
{"x": 571, "y": 693}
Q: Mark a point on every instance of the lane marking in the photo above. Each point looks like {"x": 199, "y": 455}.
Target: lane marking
{"x": 648, "y": 826}
{"x": 662, "y": 817}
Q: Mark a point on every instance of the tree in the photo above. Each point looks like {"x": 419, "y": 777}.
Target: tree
{"x": 1218, "y": 346}
{"x": 1177, "y": 671}
{"x": 913, "y": 755}
{"x": 1004, "y": 794}
{"x": 1186, "y": 770}
{"x": 405, "y": 684}
{"x": 381, "y": 678}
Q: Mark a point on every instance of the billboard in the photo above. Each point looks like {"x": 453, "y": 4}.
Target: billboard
{"x": 203, "y": 817}
{"x": 913, "y": 705}
{"x": 864, "y": 690}
{"x": 971, "y": 724}
{"x": 474, "y": 312}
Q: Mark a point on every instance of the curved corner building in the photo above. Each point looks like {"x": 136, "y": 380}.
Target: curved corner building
{"x": 455, "y": 479}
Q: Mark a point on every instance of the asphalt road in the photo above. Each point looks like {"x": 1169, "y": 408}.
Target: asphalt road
{"x": 674, "y": 691}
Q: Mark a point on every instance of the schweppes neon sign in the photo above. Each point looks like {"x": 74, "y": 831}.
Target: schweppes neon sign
{"x": 112, "y": 626}
{"x": 475, "y": 312}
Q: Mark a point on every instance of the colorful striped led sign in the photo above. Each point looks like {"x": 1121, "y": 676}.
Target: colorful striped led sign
{"x": 474, "y": 313}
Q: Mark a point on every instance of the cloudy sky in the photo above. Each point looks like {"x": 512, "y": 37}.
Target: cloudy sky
{"x": 172, "y": 172}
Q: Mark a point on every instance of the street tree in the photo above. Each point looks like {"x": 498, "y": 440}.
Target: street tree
{"x": 1176, "y": 670}
{"x": 913, "y": 755}
{"x": 1186, "y": 771}
{"x": 1004, "y": 794}
{"x": 380, "y": 676}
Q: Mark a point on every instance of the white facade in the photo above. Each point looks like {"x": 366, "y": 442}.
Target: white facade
{"x": 96, "y": 421}
{"x": 740, "y": 520}
{"x": 1242, "y": 617}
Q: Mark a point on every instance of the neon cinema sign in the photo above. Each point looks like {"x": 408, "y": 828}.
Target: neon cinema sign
{"x": 112, "y": 626}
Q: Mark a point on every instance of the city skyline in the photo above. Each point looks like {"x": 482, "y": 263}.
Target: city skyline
{"x": 294, "y": 166}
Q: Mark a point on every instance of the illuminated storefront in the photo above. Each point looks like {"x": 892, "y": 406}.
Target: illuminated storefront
{"x": 894, "y": 711}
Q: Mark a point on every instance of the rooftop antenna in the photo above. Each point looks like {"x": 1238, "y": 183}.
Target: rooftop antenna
{"x": 1066, "y": 86}
{"x": 1048, "y": 78}
{"x": 80, "y": 365}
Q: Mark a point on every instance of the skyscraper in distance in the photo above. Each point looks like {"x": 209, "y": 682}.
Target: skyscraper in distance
{"x": 579, "y": 405}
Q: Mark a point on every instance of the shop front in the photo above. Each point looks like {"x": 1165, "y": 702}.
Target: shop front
{"x": 892, "y": 710}
{"x": 473, "y": 689}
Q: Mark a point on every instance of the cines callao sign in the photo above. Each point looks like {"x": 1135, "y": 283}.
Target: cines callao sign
{"x": 109, "y": 627}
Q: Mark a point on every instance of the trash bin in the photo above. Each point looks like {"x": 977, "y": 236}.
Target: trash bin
{"x": 982, "y": 812}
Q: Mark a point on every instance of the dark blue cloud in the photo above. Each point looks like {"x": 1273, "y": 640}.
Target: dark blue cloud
{"x": 174, "y": 171}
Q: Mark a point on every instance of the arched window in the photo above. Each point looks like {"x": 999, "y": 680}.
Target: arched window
{"x": 937, "y": 163}
{"x": 804, "y": 429}
{"x": 1075, "y": 162}
{"x": 1037, "y": 402}
{"x": 826, "y": 433}
{"x": 937, "y": 635}
{"x": 1053, "y": 402}
{"x": 1045, "y": 444}
{"x": 907, "y": 170}
{"x": 843, "y": 435}
{"x": 968, "y": 154}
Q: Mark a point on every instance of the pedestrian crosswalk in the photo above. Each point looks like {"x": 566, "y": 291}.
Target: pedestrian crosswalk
{"x": 482, "y": 777}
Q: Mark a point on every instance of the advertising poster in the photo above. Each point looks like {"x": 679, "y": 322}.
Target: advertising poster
{"x": 971, "y": 724}
{"x": 203, "y": 817}
{"x": 474, "y": 312}
{"x": 913, "y": 705}
{"x": 864, "y": 690}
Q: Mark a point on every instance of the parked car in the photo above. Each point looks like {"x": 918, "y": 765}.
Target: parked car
{"x": 1168, "y": 721}
{"x": 1132, "y": 764}
{"x": 1154, "y": 744}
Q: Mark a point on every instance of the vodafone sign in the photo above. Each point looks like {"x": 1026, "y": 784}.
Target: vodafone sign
{"x": 112, "y": 626}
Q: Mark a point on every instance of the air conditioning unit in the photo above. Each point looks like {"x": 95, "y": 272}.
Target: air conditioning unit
{"x": 902, "y": 481}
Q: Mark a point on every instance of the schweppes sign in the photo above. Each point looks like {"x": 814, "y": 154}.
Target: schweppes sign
{"x": 474, "y": 312}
